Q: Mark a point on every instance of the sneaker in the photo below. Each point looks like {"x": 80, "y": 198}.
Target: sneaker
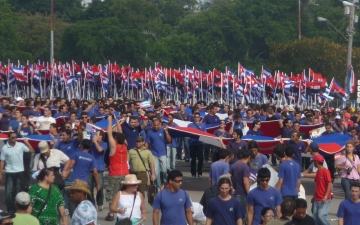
{"x": 193, "y": 176}
{"x": 109, "y": 217}
{"x": 100, "y": 208}
{"x": 200, "y": 176}
{"x": 187, "y": 160}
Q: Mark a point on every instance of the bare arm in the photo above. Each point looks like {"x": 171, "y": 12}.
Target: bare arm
{"x": 250, "y": 215}
{"x": 62, "y": 217}
{"x": 232, "y": 127}
{"x": 156, "y": 213}
{"x": 279, "y": 184}
{"x": 208, "y": 221}
{"x": 111, "y": 139}
{"x": 189, "y": 216}
{"x": 281, "y": 124}
{"x": 222, "y": 143}
{"x": 143, "y": 208}
{"x": 341, "y": 221}
{"x": 278, "y": 211}
{"x": 309, "y": 174}
{"x": 168, "y": 137}
{"x": 96, "y": 176}
{"x": 1, "y": 168}
{"x": 152, "y": 169}
{"x": 298, "y": 185}
{"x": 239, "y": 222}
{"x": 144, "y": 124}
{"x": 210, "y": 182}
{"x": 114, "y": 203}
{"x": 98, "y": 147}
{"x": 65, "y": 173}
{"x": 66, "y": 169}
{"x": 118, "y": 125}
{"x": 147, "y": 145}
{"x": 246, "y": 184}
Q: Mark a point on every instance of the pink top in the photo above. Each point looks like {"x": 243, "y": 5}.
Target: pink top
{"x": 343, "y": 161}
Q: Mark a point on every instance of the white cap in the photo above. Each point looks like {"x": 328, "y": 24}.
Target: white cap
{"x": 338, "y": 117}
{"x": 23, "y": 198}
{"x": 18, "y": 99}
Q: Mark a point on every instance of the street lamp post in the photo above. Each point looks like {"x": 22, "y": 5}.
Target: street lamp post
{"x": 52, "y": 46}
{"x": 350, "y": 41}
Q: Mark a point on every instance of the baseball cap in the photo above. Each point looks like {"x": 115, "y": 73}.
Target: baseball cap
{"x": 43, "y": 146}
{"x": 314, "y": 146}
{"x": 318, "y": 158}
{"x": 18, "y": 99}
{"x": 139, "y": 138}
{"x": 338, "y": 117}
{"x": 23, "y": 198}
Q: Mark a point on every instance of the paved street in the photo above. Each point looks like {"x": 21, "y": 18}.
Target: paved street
{"x": 195, "y": 188}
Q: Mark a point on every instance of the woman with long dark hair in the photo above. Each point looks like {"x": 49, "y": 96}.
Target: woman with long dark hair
{"x": 47, "y": 203}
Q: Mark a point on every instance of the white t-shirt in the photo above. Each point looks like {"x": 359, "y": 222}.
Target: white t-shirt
{"x": 44, "y": 122}
{"x": 56, "y": 158}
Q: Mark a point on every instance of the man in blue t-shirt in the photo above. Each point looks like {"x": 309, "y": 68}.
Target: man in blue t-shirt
{"x": 348, "y": 211}
{"x": 240, "y": 173}
{"x": 82, "y": 164}
{"x": 236, "y": 144}
{"x": 14, "y": 124}
{"x": 171, "y": 147}
{"x": 210, "y": 118}
{"x": 299, "y": 147}
{"x": 131, "y": 130}
{"x": 289, "y": 176}
{"x": 255, "y": 131}
{"x": 259, "y": 159}
{"x": 173, "y": 202}
{"x": 25, "y": 129}
{"x": 155, "y": 141}
{"x": 262, "y": 196}
{"x": 98, "y": 149}
{"x": 196, "y": 147}
{"x": 219, "y": 167}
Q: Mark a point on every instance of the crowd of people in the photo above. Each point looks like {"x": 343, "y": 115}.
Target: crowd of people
{"x": 138, "y": 151}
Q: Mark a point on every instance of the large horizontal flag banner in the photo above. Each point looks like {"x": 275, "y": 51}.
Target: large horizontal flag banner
{"x": 269, "y": 128}
{"x": 332, "y": 143}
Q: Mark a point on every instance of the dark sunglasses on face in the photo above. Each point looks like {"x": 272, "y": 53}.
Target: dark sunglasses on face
{"x": 14, "y": 137}
{"x": 264, "y": 180}
{"x": 84, "y": 117}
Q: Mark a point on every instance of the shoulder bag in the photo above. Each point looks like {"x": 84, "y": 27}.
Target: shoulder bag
{"x": 127, "y": 220}
{"x": 46, "y": 201}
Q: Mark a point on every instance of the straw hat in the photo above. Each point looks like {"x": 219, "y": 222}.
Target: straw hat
{"x": 80, "y": 185}
{"x": 131, "y": 180}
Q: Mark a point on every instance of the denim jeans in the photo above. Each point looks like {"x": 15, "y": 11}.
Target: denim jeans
{"x": 100, "y": 193}
{"x": 242, "y": 201}
{"x": 184, "y": 143}
{"x": 196, "y": 151}
{"x": 320, "y": 212}
{"x": 160, "y": 170}
{"x": 345, "y": 184}
{"x": 171, "y": 158}
{"x": 26, "y": 179}
{"x": 12, "y": 187}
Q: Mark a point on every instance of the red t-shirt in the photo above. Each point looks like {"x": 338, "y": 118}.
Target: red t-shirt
{"x": 322, "y": 179}
{"x": 118, "y": 162}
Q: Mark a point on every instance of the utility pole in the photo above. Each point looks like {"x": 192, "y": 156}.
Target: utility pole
{"x": 299, "y": 19}
{"x": 350, "y": 41}
{"x": 52, "y": 47}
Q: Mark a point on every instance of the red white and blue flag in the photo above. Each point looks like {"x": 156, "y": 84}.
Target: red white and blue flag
{"x": 351, "y": 81}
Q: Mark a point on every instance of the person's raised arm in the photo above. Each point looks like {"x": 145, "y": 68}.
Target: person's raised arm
{"x": 168, "y": 137}
{"x": 31, "y": 149}
{"x": 222, "y": 143}
{"x": 118, "y": 124}
{"x": 111, "y": 139}
{"x": 97, "y": 146}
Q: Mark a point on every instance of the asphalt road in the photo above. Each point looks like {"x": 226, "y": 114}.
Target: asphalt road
{"x": 195, "y": 188}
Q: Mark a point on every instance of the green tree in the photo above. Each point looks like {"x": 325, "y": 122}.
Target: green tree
{"x": 9, "y": 40}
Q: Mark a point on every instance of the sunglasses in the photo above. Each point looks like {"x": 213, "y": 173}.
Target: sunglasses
{"x": 84, "y": 117}
{"x": 13, "y": 137}
{"x": 264, "y": 180}
{"x": 269, "y": 215}
{"x": 178, "y": 181}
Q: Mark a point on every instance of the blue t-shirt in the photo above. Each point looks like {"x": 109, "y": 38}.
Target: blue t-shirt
{"x": 262, "y": 117}
{"x": 199, "y": 126}
{"x": 25, "y": 131}
{"x": 349, "y": 211}
{"x": 57, "y": 115}
{"x": 217, "y": 169}
{"x": 298, "y": 149}
{"x": 84, "y": 164}
{"x": 238, "y": 126}
{"x": 289, "y": 171}
{"x": 35, "y": 113}
{"x": 172, "y": 206}
{"x": 237, "y": 147}
{"x": 68, "y": 148}
{"x": 259, "y": 198}
{"x": 26, "y": 112}
{"x": 238, "y": 171}
{"x": 131, "y": 134}
{"x": 257, "y": 163}
{"x": 209, "y": 119}
{"x": 156, "y": 141}
{"x": 255, "y": 133}
{"x": 220, "y": 211}
{"x": 14, "y": 124}
{"x": 286, "y": 132}
{"x": 99, "y": 156}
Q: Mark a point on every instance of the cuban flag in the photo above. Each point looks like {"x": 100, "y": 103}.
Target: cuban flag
{"x": 351, "y": 81}
{"x": 337, "y": 91}
{"x": 18, "y": 73}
